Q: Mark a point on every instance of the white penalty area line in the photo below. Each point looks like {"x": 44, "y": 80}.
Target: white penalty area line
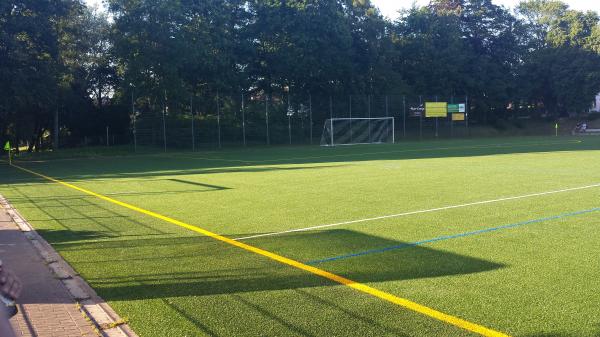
{"x": 419, "y": 212}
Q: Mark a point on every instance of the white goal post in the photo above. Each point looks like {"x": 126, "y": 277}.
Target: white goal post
{"x": 352, "y": 131}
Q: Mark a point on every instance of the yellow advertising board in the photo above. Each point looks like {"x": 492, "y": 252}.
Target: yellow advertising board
{"x": 458, "y": 116}
{"x": 436, "y": 109}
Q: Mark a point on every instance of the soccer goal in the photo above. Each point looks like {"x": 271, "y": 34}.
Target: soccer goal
{"x": 351, "y": 131}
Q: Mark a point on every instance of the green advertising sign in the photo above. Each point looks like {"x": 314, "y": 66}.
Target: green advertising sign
{"x": 456, "y": 108}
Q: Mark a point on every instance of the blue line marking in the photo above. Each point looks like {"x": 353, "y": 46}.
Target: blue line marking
{"x": 454, "y": 236}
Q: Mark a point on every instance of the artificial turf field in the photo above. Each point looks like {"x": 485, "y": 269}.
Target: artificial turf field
{"x": 501, "y": 233}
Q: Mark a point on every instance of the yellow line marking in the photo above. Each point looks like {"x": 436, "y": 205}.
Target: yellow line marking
{"x": 408, "y": 304}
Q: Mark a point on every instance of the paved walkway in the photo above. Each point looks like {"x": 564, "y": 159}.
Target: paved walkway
{"x": 46, "y": 308}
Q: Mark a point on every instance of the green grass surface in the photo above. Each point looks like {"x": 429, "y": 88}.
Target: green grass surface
{"x": 537, "y": 279}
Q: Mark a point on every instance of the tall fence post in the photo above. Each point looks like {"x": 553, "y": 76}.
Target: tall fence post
{"x": 134, "y": 121}
{"x": 56, "y": 130}
{"x": 467, "y": 110}
{"x": 387, "y": 111}
{"x": 243, "y": 121}
{"x": 267, "y": 117}
{"x": 451, "y": 119}
{"x": 436, "y": 121}
{"x": 218, "y": 120}
{"x": 393, "y": 130}
{"x": 387, "y": 114}
{"x": 421, "y": 118}
{"x": 290, "y": 129}
{"x": 331, "y": 132}
{"x": 350, "y": 112}
{"x": 134, "y": 132}
{"x": 403, "y": 116}
{"x": 310, "y": 117}
{"x": 164, "y": 123}
{"x": 289, "y": 116}
{"x": 369, "y": 113}
{"x": 192, "y": 117}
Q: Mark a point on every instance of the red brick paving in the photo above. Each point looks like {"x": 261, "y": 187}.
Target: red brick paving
{"x": 46, "y": 308}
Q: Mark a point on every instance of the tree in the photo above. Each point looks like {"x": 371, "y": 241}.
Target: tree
{"x": 30, "y": 66}
{"x": 459, "y": 47}
{"x": 435, "y": 53}
{"x": 59, "y": 57}
{"x": 554, "y": 24}
{"x": 561, "y": 70}
{"x": 564, "y": 79}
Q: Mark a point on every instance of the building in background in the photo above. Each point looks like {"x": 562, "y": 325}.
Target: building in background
{"x": 596, "y": 106}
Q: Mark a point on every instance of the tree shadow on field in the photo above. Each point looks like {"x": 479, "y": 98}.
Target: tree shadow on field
{"x": 198, "y": 277}
{"x": 199, "y": 266}
{"x": 129, "y": 187}
{"x": 84, "y": 218}
{"x": 65, "y": 236}
{"x": 262, "y": 160}
{"x": 145, "y": 170}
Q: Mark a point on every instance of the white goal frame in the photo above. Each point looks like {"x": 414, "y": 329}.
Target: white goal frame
{"x": 331, "y": 121}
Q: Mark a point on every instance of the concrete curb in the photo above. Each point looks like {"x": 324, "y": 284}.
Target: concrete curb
{"x": 106, "y": 320}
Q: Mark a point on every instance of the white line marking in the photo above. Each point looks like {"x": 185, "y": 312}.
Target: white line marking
{"x": 466, "y": 147}
{"x": 250, "y": 162}
{"x": 419, "y": 212}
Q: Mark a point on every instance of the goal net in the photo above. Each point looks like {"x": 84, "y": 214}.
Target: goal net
{"x": 349, "y": 131}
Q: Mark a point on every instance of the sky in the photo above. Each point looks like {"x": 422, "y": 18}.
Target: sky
{"x": 94, "y": 3}
{"x": 390, "y": 8}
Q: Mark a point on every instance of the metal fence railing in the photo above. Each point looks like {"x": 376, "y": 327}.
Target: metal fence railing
{"x": 298, "y": 119}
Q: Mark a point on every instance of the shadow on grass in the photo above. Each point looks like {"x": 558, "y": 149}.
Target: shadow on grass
{"x": 86, "y": 219}
{"x": 81, "y": 197}
{"x": 271, "y": 159}
{"x": 65, "y": 236}
{"x": 199, "y": 266}
{"x": 141, "y": 184}
{"x": 551, "y": 334}
{"x": 596, "y": 333}
{"x": 145, "y": 169}
{"x": 365, "y": 319}
{"x": 213, "y": 187}
{"x": 68, "y": 236}
{"x": 197, "y": 323}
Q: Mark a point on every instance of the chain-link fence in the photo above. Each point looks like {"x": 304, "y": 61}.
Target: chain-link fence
{"x": 254, "y": 119}
{"x": 250, "y": 119}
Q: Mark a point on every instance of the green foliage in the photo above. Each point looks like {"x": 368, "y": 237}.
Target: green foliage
{"x": 46, "y": 67}
{"x": 61, "y": 56}
{"x": 563, "y": 79}
{"x": 561, "y": 69}
{"x": 556, "y": 25}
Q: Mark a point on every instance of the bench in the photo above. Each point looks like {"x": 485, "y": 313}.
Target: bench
{"x": 588, "y": 132}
